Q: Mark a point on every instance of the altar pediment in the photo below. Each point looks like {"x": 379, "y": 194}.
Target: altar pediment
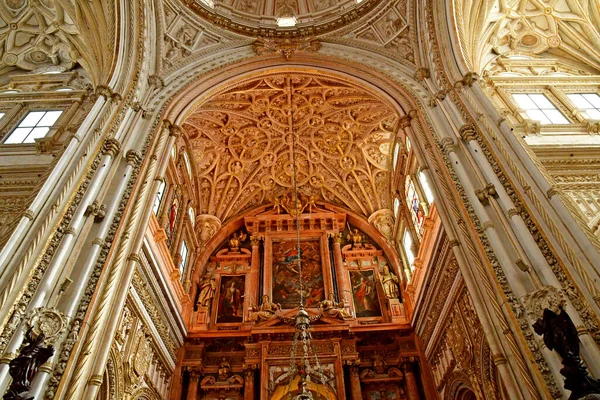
{"x": 284, "y": 211}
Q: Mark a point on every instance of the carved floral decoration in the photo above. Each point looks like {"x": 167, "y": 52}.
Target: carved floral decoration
{"x": 241, "y": 141}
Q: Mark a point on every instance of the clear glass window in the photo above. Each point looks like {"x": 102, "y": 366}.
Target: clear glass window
{"x": 407, "y": 244}
{"x": 426, "y": 187}
{"x": 35, "y": 125}
{"x": 396, "y": 207}
{"x": 538, "y": 108}
{"x": 588, "y": 104}
{"x": 188, "y": 165}
{"x": 191, "y": 214}
{"x": 159, "y": 197}
{"x": 184, "y": 258}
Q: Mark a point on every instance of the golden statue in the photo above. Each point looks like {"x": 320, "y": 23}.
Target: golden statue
{"x": 389, "y": 282}
{"x": 265, "y": 311}
{"x": 356, "y": 238}
{"x": 236, "y": 240}
{"x": 333, "y": 309}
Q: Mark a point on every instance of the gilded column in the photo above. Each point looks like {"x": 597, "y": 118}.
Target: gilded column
{"x": 412, "y": 389}
{"x": 355, "y": 392}
{"x": 252, "y": 283}
{"x": 340, "y": 271}
{"x": 249, "y": 384}
{"x": 192, "y": 393}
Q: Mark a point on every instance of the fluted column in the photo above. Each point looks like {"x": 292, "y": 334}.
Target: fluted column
{"x": 412, "y": 389}
{"x": 192, "y": 393}
{"x": 355, "y": 392}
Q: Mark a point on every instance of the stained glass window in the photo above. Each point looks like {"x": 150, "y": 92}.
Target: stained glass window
{"x": 414, "y": 205}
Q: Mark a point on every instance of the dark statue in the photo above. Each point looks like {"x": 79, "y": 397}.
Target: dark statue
{"x": 25, "y": 366}
{"x": 560, "y": 334}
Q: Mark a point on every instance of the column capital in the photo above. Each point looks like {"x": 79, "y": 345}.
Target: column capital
{"x": 468, "y": 132}
{"x": 111, "y": 146}
{"x": 134, "y": 157}
{"x": 405, "y": 121}
{"x": 448, "y": 145}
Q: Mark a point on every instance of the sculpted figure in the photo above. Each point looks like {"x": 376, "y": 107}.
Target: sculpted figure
{"x": 560, "y": 334}
{"x": 25, "y": 366}
{"x": 236, "y": 240}
{"x": 356, "y": 238}
{"x": 389, "y": 281}
{"x": 333, "y": 309}
{"x": 208, "y": 287}
{"x": 224, "y": 370}
{"x": 265, "y": 311}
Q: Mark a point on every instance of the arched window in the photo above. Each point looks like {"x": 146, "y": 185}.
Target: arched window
{"x": 396, "y": 207}
{"x": 159, "y": 197}
{"x": 395, "y": 158}
{"x": 174, "y": 152}
{"x": 426, "y": 187}
{"x": 173, "y": 213}
{"x": 191, "y": 214}
{"x": 407, "y": 244}
{"x": 184, "y": 258}
{"x": 188, "y": 165}
{"x": 414, "y": 205}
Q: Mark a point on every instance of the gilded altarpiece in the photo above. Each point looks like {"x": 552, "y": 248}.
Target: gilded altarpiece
{"x": 255, "y": 269}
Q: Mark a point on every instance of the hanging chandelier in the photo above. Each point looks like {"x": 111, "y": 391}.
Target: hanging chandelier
{"x": 301, "y": 362}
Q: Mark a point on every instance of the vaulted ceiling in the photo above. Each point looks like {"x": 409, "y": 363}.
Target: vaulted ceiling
{"x": 241, "y": 141}
{"x": 493, "y": 30}
{"x": 58, "y": 34}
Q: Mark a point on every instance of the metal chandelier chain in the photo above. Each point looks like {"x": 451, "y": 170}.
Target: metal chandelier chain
{"x": 296, "y": 195}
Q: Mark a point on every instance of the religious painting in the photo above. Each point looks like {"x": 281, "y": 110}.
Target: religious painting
{"x": 231, "y": 299}
{"x": 286, "y": 273}
{"x": 364, "y": 294}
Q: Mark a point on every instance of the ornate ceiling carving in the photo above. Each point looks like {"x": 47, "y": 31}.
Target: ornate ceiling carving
{"x": 241, "y": 140}
{"x": 36, "y": 34}
{"x": 492, "y": 30}
{"x": 259, "y": 18}
{"x": 388, "y": 31}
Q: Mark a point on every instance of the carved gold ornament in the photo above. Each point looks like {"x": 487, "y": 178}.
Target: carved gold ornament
{"x": 241, "y": 141}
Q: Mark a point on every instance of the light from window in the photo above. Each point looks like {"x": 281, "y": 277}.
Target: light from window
{"x": 538, "y": 108}
{"x": 396, "y": 154}
{"x": 407, "y": 244}
{"x": 35, "y": 125}
{"x": 209, "y": 3}
{"x": 1, "y": 115}
{"x": 191, "y": 214}
{"x": 396, "y": 207}
{"x": 184, "y": 258}
{"x": 426, "y": 188}
{"x": 159, "y": 197}
{"x": 286, "y": 22}
{"x": 188, "y": 166}
{"x": 174, "y": 152}
{"x": 408, "y": 145}
{"x": 587, "y": 103}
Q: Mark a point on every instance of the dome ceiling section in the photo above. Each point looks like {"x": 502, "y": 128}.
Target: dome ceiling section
{"x": 241, "y": 142}
{"x": 492, "y": 30}
{"x": 259, "y": 17}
